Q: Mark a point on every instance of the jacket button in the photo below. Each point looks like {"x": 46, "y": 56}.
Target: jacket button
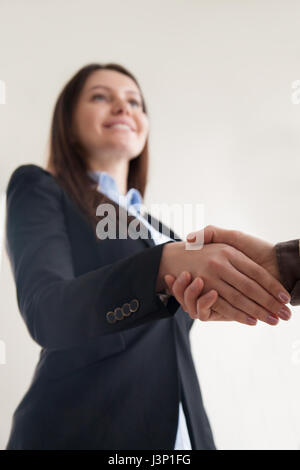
{"x": 110, "y": 317}
{"x": 134, "y": 305}
{"x": 126, "y": 310}
{"x": 118, "y": 313}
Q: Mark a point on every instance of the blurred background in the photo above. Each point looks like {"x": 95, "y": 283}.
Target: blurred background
{"x": 218, "y": 80}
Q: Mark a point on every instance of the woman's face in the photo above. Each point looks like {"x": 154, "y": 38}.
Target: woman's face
{"x": 108, "y": 96}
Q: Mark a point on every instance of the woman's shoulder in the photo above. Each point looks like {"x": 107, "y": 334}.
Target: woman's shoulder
{"x": 29, "y": 174}
{"x": 29, "y": 171}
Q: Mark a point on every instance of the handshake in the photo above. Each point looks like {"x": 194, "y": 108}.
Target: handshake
{"x": 233, "y": 277}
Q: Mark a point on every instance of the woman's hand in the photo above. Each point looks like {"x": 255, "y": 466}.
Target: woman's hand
{"x": 188, "y": 293}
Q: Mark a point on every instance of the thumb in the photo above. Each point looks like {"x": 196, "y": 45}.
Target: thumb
{"x": 213, "y": 234}
{"x": 206, "y": 235}
{"x": 169, "y": 280}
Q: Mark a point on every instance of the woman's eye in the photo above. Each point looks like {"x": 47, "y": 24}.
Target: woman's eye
{"x": 97, "y": 96}
{"x": 137, "y": 103}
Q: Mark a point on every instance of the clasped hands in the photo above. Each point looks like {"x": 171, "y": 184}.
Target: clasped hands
{"x": 233, "y": 277}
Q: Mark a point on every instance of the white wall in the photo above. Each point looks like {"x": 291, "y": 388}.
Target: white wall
{"x": 217, "y": 79}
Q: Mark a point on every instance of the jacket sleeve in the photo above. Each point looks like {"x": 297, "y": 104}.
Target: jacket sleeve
{"x": 288, "y": 258}
{"x": 59, "y": 309}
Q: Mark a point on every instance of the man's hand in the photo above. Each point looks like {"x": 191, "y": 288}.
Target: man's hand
{"x": 189, "y": 293}
{"x": 260, "y": 251}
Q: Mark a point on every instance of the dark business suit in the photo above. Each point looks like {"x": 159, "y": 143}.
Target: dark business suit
{"x": 288, "y": 259}
{"x": 101, "y": 382}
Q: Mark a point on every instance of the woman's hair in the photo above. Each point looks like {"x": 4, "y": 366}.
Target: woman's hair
{"x": 67, "y": 161}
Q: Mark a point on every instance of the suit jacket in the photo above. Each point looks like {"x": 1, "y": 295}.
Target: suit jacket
{"x": 114, "y": 360}
{"x": 288, "y": 259}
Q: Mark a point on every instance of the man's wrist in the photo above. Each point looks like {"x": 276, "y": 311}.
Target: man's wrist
{"x": 275, "y": 265}
{"x": 288, "y": 259}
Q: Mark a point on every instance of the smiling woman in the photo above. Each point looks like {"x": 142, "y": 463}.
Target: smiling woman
{"x": 115, "y": 369}
{"x": 85, "y": 106}
{"x": 93, "y": 305}
{"x": 97, "y": 125}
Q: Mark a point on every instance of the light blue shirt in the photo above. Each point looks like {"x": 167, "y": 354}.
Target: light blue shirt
{"x": 132, "y": 201}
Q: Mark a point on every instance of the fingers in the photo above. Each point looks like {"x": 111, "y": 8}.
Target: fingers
{"x": 199, "y": 307}
{"x": 254, "y": 249}
{"x": 215, "y": 316}
{"x": 213, "y": 234}
{"x": 257, "y": 284}
{"x": 228, "y": 312}
{"x": 242, "y": 303}
{"x": 210, "y": 306}
{"x": 191, "y": 294}
{"x": 208, "y": 234}
{"x": 188, "y": 294}
{"x": 178, "y": 285}
{"x": 204, "y": 305}
{"x": 169, "y": 280}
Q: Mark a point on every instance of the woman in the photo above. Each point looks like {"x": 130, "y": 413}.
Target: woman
{"x": 115, "y": 369}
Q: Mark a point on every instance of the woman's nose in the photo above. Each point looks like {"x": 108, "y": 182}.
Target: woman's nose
{"x": 120, "y": 104}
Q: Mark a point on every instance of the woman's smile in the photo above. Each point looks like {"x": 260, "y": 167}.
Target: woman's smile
{"x": 120, "y": 127}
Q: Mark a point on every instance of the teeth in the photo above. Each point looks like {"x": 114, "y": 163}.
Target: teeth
{"x": 121, "y": 126}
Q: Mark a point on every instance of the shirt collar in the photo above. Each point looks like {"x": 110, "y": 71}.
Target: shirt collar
{"x": 108, "y": 186}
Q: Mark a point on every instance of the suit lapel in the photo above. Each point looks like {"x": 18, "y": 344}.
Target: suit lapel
{"x": 161, "y": 227}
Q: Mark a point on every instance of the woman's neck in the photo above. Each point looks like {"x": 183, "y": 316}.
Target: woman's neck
{"x": 118, "y": 170}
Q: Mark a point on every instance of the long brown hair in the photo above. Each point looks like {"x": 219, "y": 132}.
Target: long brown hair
{"x": 67, "y": 161}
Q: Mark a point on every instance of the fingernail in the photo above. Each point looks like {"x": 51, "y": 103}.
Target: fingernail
{"x": 182, "y": 276}
{"x": 251, "y": 321}
{"x": 272, "y": 320}
{"x": 284, "y": 314}
{"x": 191, "y": 237}
{"x": 284, "y": 297}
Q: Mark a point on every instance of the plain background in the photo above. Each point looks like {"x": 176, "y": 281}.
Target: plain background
{"x": 217, "y": 78}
